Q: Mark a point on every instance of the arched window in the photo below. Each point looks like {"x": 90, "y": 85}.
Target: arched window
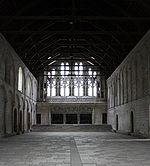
{"x": 80, "y": 68}
{"x": 62, "y": 69}
{"x": 54, "y": 88}
{"x": 20, "y": 79}
{"x": 69, "y": 79}
{"x": 76, "y": 69}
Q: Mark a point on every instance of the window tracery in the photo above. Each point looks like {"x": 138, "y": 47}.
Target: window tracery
{"x": 71, "y": 80}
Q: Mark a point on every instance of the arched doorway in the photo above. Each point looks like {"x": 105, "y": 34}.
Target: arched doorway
{"x": 132, "y": 121}
{"x": 20, "y": 121}
{"x": 117, "y": 123}
{"x": 15, "y": 121}
{"x": 2, "y": 111}
{"x": 28, "y": 120}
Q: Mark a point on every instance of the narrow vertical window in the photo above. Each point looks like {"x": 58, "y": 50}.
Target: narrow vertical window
{"x": 62, "y": 70}
{"x": 76, "y": 69}
{"x": 67, "y": 68}
{"x": 67, "y": 88}
{"x": 80, "y": 69}
{"x": 48, "y": 84}
{"x": 54, "y": 88}
{"x": 90, "y": 82}
{"x": 20, "y": 79}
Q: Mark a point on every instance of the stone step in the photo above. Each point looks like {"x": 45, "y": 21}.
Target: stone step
{"x": 71, "y": 128}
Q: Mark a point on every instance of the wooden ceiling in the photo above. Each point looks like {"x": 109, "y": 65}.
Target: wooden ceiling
{"x": 106, "y": 30}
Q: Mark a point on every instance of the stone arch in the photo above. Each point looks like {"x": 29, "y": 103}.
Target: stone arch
{"x": 26, "y": 110}
{"x": 15, "y": 114}
{"x": 9, "y": 113}
{"x": 3, "y": 100}
{"x": 30, "y": 115}
{"x": 21, "y": 115}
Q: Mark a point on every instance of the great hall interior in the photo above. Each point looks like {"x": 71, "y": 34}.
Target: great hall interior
{"x": 75, "y": 63}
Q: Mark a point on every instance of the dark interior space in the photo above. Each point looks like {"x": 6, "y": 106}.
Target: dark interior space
{"x": 71, "y": 119}
{"x": 57, "y": 118}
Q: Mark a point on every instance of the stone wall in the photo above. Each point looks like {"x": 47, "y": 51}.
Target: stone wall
{"x": 17, "y": 108}
{"x": 95, "y": 109}
{"x": 129, "y": 89}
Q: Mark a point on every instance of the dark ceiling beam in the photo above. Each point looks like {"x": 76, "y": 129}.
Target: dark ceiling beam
{"x": 80, "y": 18}
{"x": 24, "y": 32}
{"x": 75, "y": 52}
{"x": 75, "y": 44}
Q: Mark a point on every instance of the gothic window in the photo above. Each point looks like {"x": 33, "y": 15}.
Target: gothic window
{"x": 70, "y": 79}
{"x": 20, "y": 79}
{"x": 54, "y": 88}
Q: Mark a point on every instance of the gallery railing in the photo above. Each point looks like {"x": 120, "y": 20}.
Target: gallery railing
{"x": 75, "y": 99}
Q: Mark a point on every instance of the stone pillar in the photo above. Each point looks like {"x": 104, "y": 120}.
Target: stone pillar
{"x": 49, "y": 118}
{"x": 64, "y": 118}
{"x": 93, "y": 116}
{"x": 78, "y": 118}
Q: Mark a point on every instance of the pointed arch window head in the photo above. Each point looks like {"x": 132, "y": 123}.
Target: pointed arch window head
{"x": 53, "y": 73}
{"x": 90, "y": 72}
{"x": 94, "y": 73}
{"x": 80, "y": 69}
{"x": 49, "y": 74}
{"x": 76, "y": 69}
{"x": 20, "y": 79}
{"x": 67, "y": 68}
{"x": 62, "y": 69}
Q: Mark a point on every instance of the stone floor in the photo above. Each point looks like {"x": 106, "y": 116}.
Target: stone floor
{"x": 74, "y": 149}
